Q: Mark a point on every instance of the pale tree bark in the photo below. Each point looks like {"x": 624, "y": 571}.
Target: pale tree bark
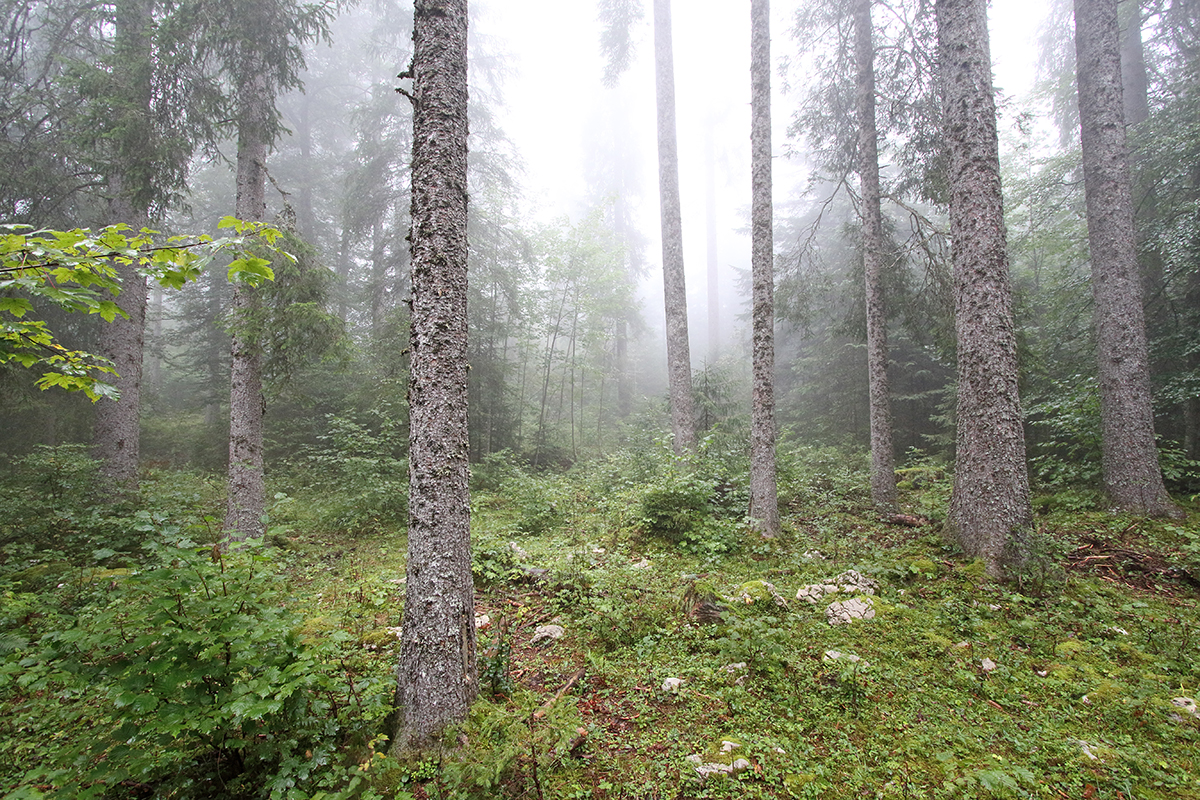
{"x": 116, "y": 431}
{"x": 1134, "y": 79}
{"x": 764, "y": 501}
{"x": 246, "y": 486}
{"x": 625, "y": 322}
{"x": 437, "y": 677}
{"x": 1132, "y": 476}
{"x": 883, "y": 458}
{"x": 990, "y": 512}
{"x": 710, "y": 241}
{"x": 679, "y": 357}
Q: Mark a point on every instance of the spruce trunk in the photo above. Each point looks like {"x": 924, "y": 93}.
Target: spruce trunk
{"x": 990, "y": 512}
{"x": 679, "y": 357}
{"x": 437, "y": 678}
{"x": 116, "y": 431}
{"x": 1132, "y": 476}
{"x": 764, "y": 502}
{"x": 246, "y": 488}
{"x": 883, "y": 459}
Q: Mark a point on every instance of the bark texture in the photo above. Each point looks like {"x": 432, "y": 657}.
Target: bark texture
{"x": 883, "y": 459}
{"x": 764, "y": 502}
{"x": 1134, "y": 79}
{"x": 1132, "y": 476}
{"x": 679, "y": 356}
{"x": 990, "y": 511}
{"x": 116, "y": 429}
{"x": 437, "y": 675}
{"x": 246, "y": 487}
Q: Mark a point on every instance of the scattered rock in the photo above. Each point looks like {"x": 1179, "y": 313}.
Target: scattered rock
{"x": 815, "y": 592}
{"x": 732, "y": 668}
{"x": 482, "y": 622}
{"x": 547, "y": 633}
{"x": 705, "y": 769}
{"x": 1187, "y": 704}
{"x": 849, "y": 582}
{"x": 836, "y": 655}
{"x": 518, "y": 551}
{"x": 813, "y": 555}
{"x": 729, "y": 747}
{"x": 672, "y": 685}
{"x": 643, "y": 564}
{"x": 850, "y": 610}
{"x": 988, "y": 665}
{"x": 854, "y": 582}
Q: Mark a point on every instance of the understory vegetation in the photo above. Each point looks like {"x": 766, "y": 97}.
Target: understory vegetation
{"x": 139, "y": 660}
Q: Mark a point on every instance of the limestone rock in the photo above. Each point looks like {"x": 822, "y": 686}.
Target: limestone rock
{"x": 672, "y": 685}
{"x": 849, "y": 610}
{"x": 547, "y": 633}
{"x": 1186, "y": 704}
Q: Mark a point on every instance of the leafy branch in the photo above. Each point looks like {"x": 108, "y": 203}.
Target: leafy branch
{"x": 76, "y": 270}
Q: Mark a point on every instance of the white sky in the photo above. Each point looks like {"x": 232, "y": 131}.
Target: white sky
{"x": 555, "y": 95}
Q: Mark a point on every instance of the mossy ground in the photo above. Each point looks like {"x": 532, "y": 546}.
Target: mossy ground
{"x": 1060, "y": 686}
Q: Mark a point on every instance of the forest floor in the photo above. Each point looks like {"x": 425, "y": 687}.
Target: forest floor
{"x": 635, "y": 640}
{"x": 694, "y": 670}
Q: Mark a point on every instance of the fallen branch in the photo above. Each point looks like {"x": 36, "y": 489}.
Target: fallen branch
{"x": 546, "y": 706}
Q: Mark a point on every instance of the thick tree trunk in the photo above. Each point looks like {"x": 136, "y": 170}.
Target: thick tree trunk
{"x": 246, "y": 487}
{"x": 437, "y": 676}
{"x": 679, "y": 357}
{"x": 764, "y": 502}
{"x": 883, "y": 459}
{"x": 116, "y": 432}
{"x": 1132, "y": 476}
{"x": 990, "y": 511}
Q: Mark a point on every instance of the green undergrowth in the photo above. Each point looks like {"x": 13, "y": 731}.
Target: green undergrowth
{"x": 152, "y": 666}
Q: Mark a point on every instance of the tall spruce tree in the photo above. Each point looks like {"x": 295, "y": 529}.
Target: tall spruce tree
{"x": 883, "y": 458}
{"x": 764, "y": 498}
{"x": 260, "y": 56}
{"x": 129, "y": 187}
{"x": 679, "y": 357}
{"x": 990, "y": 511}
{"x": 1132, "y": 476}
{"x": 437, "y": 678}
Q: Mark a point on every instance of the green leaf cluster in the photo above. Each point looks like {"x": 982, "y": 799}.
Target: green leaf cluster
{"x": 76, "y": 270}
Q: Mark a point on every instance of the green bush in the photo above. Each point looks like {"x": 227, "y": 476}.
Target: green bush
{"x": 676, "y": 506}
{"x": 359, "y": 474}
{"x": 188, "y": 677}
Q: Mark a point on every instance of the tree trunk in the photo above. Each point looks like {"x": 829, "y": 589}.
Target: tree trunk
{"x": 1132, "y": 476}
{"x": 116, "y": 432}
{"x": 883, "y": 459}
{"x": 1134, "y": 81}
{"x": 437, "y": 676}
{"x": 624, "y": 322}
{"x": 710, "y": 220}
{"x": 247, "y": 494}
{"x": 679, "y": 357}
{"x": 990, "y": 511}
{"x": 764, "y": 503}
